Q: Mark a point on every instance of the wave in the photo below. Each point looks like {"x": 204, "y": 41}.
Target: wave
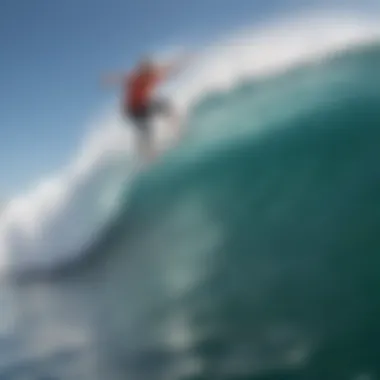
{"x": 277, "y": 107}
{"x": 38, "y": 230}
{"x": 258, "y": 255}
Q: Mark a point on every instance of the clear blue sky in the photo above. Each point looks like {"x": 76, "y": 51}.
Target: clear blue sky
{"x": 53, "y": 52}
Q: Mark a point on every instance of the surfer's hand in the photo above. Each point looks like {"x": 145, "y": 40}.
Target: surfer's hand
{"x": 178, "y": 64}
{"x": 185, "y": 59}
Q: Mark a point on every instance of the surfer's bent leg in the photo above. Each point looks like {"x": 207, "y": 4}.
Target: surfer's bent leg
{"x": 145, "y": 140}
{"x": 165, "y": 108}
{"x": 140, "y": 120}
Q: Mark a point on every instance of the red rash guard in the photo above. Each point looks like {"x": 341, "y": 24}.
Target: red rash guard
{"x": 139, "y": 88}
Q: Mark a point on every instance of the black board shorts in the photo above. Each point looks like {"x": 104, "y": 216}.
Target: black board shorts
{"x": 142, "y": 116}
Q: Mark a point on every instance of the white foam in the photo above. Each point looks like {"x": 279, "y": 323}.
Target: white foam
{"x": 48, "y": 223}
{"x": 271, "y": 48}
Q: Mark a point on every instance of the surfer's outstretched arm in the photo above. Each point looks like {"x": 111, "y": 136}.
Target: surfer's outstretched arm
{"x": 114, "y": 79}
{"x": 175, "y": 66}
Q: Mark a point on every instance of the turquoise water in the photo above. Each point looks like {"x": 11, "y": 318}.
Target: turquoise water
{"x": 252, "y": 254}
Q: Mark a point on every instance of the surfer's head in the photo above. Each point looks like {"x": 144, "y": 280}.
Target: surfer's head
{"x": 146, "y": 63}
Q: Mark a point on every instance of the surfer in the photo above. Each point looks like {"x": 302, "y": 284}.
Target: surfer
{"x": 138, "y": 104}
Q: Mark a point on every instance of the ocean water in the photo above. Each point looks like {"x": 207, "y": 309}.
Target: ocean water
{"x": 253, "y": 254}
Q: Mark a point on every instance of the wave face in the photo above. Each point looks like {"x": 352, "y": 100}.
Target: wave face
{"x": 257, "y": 256}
